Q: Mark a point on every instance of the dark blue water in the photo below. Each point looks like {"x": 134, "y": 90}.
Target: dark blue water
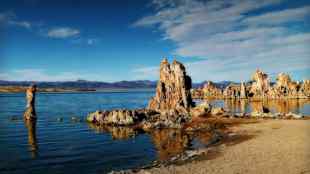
{"x": 68, "y": 146}
{"x": 55, "y": 145}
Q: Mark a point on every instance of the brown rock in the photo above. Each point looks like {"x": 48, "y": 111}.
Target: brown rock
{"x": 173, "y": 89}
{"x": 201, "y": 110}
{"x": 217, "y": 111}
{"x": 261, "y": 84}
{"x": 30, "y": 113}
{"x": 243, "y": 93}
{"x": 115, "y": 117}
{"x": 210, "y": 90}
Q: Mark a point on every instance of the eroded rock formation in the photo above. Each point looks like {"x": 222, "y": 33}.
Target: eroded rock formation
{"x": 243, "y": 92}
{"x": 30, "y": 113}
{"x": 117, "y": 117}
{"x": 260, "y": 88}
{"x": 210, "y": 90}
{"x": 169, "y": 108}
{"x": 173, "y": 89}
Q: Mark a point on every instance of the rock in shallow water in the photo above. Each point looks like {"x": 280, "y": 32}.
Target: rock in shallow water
{"x": 201, "y": 110}
{"x": 117, "y": 117}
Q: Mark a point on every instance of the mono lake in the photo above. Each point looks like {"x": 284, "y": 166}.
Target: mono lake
{"x": 59, "y": 144}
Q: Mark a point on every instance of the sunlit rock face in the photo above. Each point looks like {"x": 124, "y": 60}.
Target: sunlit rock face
{"x": 116, "y": 117}
{"x": 260, "y": 88}
{"x": 288, "y": 89}
{"x": 232, "y": 91}
{"x": 210, "y": 90}
{"x": 30, "y": 113}
{"x": 260, "y": 85}
{"x": 169, "y": 108}
{"x": 243, "y": 92}
{"x": 173, "y": 89}
{"x": 305, "y": 89}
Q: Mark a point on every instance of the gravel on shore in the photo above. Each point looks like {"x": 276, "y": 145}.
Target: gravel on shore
{"x": 267, "y": 147}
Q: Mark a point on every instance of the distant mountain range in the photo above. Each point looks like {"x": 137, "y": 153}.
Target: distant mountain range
{"x": 84, "y": 84}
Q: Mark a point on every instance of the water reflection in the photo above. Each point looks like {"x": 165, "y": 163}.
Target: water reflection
{"x": 117, "y": 133}
{"x": 32, "y": 137}
{"x": 167, "y": 142}
{"x": 276, "y": 106}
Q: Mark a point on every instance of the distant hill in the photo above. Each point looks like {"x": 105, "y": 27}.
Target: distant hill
{"x": 83, "y": 84}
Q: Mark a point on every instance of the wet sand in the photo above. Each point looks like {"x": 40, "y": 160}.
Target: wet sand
{"x": 268, "y": 147}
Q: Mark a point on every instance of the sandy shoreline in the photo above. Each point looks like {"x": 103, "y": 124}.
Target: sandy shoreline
{"x": 270, "y": 146}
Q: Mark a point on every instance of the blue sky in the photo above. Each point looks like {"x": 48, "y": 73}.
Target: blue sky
{"x": 126, "y": 40}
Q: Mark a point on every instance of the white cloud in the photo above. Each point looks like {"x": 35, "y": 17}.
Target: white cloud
{"x": 62, "y": 32}
{"x": 145, "y": 73}
{"x": 9, "y": 18}
{"x": 279, "y": 17}
{"x": 232, "y": 43}
{"x": 23, "y": 24}
{"x": 92, "y": 41}
{"x": 42, "y": 75}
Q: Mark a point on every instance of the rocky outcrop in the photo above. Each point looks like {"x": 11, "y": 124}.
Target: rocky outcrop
{"x": 202, "y": 109}
{"x": 260, "y": 88}
{"x": 260, "y": 85}
{"x": 173, "y": 89}
{"x": 217, "y": 111}
{"x": 210, "y": 90}
{"x": 169, "y": 108}
{"x": 121, "y": 117}
{"x": 243, "y": 92}
{"x": 30, "y": 113}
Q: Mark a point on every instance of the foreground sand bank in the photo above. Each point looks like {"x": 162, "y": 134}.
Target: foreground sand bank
{"x": 270, "y": 146}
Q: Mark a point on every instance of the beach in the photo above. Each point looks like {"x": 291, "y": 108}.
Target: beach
{"x": 268, "y": 146}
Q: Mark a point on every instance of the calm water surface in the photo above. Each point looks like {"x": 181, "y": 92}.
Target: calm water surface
{"x": 299, "y": 106}
{"x": 65, "y": 146}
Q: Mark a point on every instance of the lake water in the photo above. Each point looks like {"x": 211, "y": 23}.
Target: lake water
{"x": 54, "y": 145}
{"x": 299, "y": 106}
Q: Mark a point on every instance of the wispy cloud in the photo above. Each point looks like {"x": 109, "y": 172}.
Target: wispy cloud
{"x": 62, "y": 32}
{"x": 9, "y": 18}
{"x": 145, "y": 73}
{"x": 42, "y": 75}
{"x": 231, "y": 38}
{"x": 24, "y": 24}
{"x": 280, "y": 17}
